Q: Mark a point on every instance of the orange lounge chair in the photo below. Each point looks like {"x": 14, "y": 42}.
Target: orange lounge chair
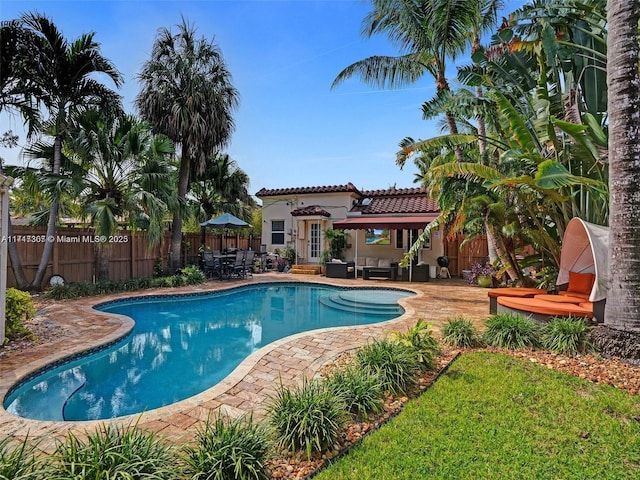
{"x": 518, "y": 292}
{"x": 543, "y": 309}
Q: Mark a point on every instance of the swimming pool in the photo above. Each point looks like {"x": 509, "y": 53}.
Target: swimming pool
{"x": 183, "y": 345}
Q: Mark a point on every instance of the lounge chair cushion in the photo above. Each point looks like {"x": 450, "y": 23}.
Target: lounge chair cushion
{"x": 543, "y": 307}
{"x": 560, "y": 299}
{"x": 582, "y": 296}
{"x": 515, "y": 292}
{"x": 581, "y": 282}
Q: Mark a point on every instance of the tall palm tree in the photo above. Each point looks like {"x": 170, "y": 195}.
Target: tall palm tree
{"x": 187, "y": 95}
{"x": 17, "y": 88}
{"x": 428, "y": 33}
{"x": 620, "y": 335}
{"x": 17, "y": 95}
{"x": 127, "y": 178}
{"x": 63, "y": 73}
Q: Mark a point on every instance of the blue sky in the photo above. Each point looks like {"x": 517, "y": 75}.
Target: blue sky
{"x": 292, "y": 130}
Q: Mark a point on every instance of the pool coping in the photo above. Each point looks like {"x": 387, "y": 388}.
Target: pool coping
{"x": 243, "y": 391}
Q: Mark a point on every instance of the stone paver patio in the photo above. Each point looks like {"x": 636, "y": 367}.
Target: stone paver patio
{"x": 247, "y": 388}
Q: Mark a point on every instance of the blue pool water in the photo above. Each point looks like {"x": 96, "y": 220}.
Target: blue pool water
{"x": 183, "y": 345}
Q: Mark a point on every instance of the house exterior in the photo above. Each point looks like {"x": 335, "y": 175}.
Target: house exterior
{"x": 380, "y": 223}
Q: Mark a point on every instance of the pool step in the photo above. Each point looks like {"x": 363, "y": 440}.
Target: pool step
{"x": 340, "y": 302}
{"x": 306, "y": 269}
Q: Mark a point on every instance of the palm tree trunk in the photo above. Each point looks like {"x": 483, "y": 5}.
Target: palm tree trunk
{"x": 176, "y": 225}
{"x": 16, "y": 264}
{"x": 503, "y": 254}
{"x": 12, "y": 249}
{"x": 104, "y": 255}
{"x": 47, "y": 251}
{"x": 620, "y": 334}
{"x": 491, "y": 244}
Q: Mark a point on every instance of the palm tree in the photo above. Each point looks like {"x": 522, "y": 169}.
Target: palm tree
{"x": 428, "y": 33}
{"x": 127, "y": 178}
{"x": 620, "y": 335}
{"x": 188, "y": 96}
{"x": 223, "y": 186}
{"x": 63, "y": 75}
{"x": 17, "y": 88}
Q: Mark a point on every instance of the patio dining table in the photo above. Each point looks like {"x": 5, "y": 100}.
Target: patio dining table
{"x": 224, "y": 261}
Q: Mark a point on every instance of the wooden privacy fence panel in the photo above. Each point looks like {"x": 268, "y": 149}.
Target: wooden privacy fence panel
{"x": 75, "y": 252}
{"x": 473, "y": 251}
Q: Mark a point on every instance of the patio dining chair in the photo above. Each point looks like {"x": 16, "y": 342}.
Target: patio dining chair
{"x": 210, "y": 265}
{"x": 248, "y": 263}
{"x": 237, "y": 268}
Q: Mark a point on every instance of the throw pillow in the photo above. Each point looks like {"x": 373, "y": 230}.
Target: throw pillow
{"x": 580, "y": 282}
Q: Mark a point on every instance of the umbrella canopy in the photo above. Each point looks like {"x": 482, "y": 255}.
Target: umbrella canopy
{"x": 584, "y": 250}
{"x": 226, "y": 220}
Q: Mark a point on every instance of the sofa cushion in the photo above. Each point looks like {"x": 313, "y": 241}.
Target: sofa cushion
{"x": 371, "y": 262}
{"x": 361, "y": 261}
{"x": 384, "y": 262}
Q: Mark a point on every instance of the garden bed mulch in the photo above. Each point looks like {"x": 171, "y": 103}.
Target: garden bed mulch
{"x": 592, "y": 367}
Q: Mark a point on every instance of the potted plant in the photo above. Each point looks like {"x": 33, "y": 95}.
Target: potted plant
{"x": 337, "y": 242}
{"x": 325, "y": 257}
{"x": 481, "y": 274}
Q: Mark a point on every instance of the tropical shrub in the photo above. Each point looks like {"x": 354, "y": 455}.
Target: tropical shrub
{"x": 510, "y": 330}
{"x": 460, "y": 332}
{"x": 359, "y": 389}
{"x": 193, "y": 275}
{"x": 19, "y": 308}
{"x": 228, "y": 449}
{"x": 113, "y": 452}
{"x": 421, "y": 341}
{"x": 566, "y": 335}
{"x": 307, "y": 418}
{"x": 188, "y": 276}
{"x": 394, "y": 364}
{"x": 18, "y": 461}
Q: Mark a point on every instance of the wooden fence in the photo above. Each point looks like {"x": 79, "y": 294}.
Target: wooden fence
{"x": 475, "y": 250}
{"x": 74, "y": 252}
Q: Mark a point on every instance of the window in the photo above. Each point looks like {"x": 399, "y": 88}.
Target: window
{"x": 406, "y": 238}
{"x": 277, "y": 232}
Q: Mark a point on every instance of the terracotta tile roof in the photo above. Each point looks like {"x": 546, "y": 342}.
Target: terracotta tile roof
{"x": 309, "y": 211}
{"x": 394, "y": 192}
{"x": 395, "y": 200}
{"x": 274, "y": 192}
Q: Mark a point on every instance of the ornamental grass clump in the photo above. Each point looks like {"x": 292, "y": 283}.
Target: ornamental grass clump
{"x": 394, "y": 364}
{"x": 307, "y": 418}
{"x": 566, "y": 335}
{"x": 359, "y": 390}
{"x": 228, "y": 449}
{"x": 510, "y": 330}
{"x": 113, "y": 452}
{"x": 421, "y": 341}
{"x": 460, "y": 332}
{"x": 18, "y": 461}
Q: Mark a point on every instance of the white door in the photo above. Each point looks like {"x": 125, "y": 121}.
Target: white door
{"x": 315, "y": 242}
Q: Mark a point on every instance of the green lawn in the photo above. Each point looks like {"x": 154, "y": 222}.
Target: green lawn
{"x": 493, "y": 416}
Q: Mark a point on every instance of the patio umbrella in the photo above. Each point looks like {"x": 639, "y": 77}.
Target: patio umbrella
{"x": 226, "y": 221}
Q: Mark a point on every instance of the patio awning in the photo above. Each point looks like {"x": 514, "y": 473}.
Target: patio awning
{"x": 395, "y": 222}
